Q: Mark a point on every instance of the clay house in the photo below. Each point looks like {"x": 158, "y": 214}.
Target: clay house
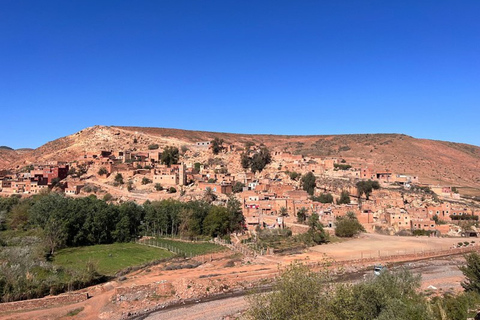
{"x": 297, "y": 195}
{"x": 442, "y": 212}
{"x": 216, "y": 187}
{"x": 244, "y": 177}
{"x": 423, "y": 224}
{"x": 367, "y": 174}
{"x": 399, "y": 219}
{"x": 384, "y": 176}
{"x": 205, "y": 144}
{"x": 51, "y": 172}
{"x": 73, "y": 189}
{"x": 34, "y": 186}
{"x": 5, "y": 184}
{"x": 169, "y": 176}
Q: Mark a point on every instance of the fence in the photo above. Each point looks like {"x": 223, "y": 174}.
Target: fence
{"x": 152, "y": 242}
{"x": 239, "y": 247}
{"x": 371, "y": 254}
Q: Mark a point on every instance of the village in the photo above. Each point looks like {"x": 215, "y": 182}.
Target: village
{"x": 271, "y": 197}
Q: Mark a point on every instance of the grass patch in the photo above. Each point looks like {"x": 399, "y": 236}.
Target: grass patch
{"x": 74, "y": 312}
{"x": 191, "y": 248}
{"x": 109, "y": 258}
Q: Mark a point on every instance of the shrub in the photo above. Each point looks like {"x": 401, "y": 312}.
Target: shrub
{"x": 153, "y": 146}
{"x": 119, "y": 178}
{"x": 348, "y": 226}
{"x": 145, "y": 180}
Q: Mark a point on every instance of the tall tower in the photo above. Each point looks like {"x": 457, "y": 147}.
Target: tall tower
{"x": 182, "y": 176}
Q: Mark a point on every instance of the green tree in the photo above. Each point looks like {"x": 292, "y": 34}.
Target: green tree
{"x": 302, "y": 215}
{"x": 348, "y": 225}
{"x": 238, "y": 187}
{"x": 324, "y": 198}
{"x": 145, "y": 180}
{"x": 153, "y": 146}
{"x": 308, "y": 183}
{"x": 471, "y": 271}
{"x": 245, "y": 161}
{"x": 209, "y": 196}
{"x": 293, "y": 175}
{"x": 217, "y": 222}
{"x": 366, "y": 188}
{"x": 119, "y": 178}
{"x": 344, "y": 198}
{"x": 216, "y": 145}
{"x": 197, "y": 166}
{"x": 158, "y": 187}
{"x": 260, "y": 160}
{"x": 237, "y": 220}
{"x": 170, "y": 155}
{"x": 315, "y": 232}
{"x": 283, "y": 212}
{"x": 102, "y": 171}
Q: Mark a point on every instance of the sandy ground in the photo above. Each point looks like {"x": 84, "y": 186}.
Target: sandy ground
{"x": 370, "y": 244}
{"x": 213, "y": 276}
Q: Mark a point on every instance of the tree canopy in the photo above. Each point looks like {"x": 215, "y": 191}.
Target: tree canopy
{"x": 308, "y": 183}
{"x": 366, "y": 188}
{"x": 170, "y": 155}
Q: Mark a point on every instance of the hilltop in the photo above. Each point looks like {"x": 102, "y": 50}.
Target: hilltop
{"x": 436, "y": 162}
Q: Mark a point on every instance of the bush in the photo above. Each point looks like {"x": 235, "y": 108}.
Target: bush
{"x": 102, "y": 171}
{"x": 293, "y": 175}
{"x": 344, "y": 198}
{"x": 324, "y": 198}
{"x": 107, "y": 197}
{"x": 348, "y": 226}
{"x": 119, "y": 178}
{"x": 145, "y": 180}
{"x": 153, "y": 146}
{"x": 341, "y": 166}
{"x": 158, "y": 187}
{"x": 172, "y": 190}
{"x": 238, "y": 187}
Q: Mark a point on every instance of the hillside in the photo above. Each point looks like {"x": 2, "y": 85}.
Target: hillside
{"x": 434, "y": 161}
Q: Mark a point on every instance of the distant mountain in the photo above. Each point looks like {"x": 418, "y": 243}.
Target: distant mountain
{"x": 6, "y": 148}
{"x": 433, "y": 161}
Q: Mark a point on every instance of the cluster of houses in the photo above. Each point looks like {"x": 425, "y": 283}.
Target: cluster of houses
{"x": 264, "y": 197}
{"x": 34, "y": 180}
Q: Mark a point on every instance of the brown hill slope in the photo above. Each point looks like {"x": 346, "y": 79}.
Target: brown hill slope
{"x": 434, "y": 161}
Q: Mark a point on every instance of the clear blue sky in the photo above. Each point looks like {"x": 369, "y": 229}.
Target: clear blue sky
{"x": 279, "y": 67}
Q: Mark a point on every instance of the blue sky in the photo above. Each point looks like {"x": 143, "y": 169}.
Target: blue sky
{"x": 278, "y": 67}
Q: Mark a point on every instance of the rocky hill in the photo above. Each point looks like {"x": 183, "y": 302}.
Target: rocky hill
{"x": 434, "y": 161}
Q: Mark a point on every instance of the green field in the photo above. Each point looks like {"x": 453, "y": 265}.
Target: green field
{"x": 191, "y": 248}
{"x": 109, "y": 258}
